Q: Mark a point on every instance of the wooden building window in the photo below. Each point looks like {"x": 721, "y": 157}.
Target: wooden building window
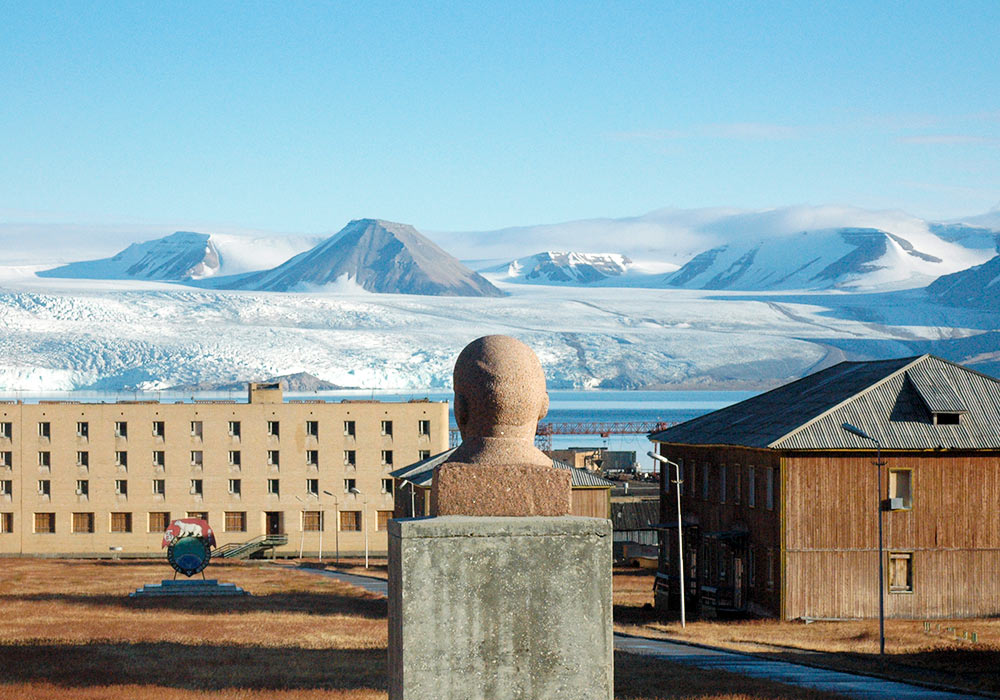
{"x": 312, "y": 521}
{"x": 121, "y": 522}
{"x": 159, "y": 429}
{"x": 901, "y": 486}
{"x": 45, "y": 430}
{"x": 424, "y": 428}
{"x": 236, "y": 521}
{"x": 6, "y": 523}
{"x": 82, "y": 522}
{"x": 737, "y": 484}
{"x": 83, "y": 459}
{"x": 723, "y": 472}
{"x": 752, "y": 487}
{"x": 273, "y": 428}
{"x": 350, "y": 520}
{"x": 45, "y": 523}
{"x": 349, "y": 428}
{"x": 273, "y": 458}
{"x": 6, "y": 460}
{"x": 769, "y": 488}
{"x": 387, "y": 428}
{"x": 705, "y": 468}
{"x": 382, "y": 519}
{"x": 751, "y": 566}
{"x": 159, "y": 521}
{"x": 234, "y": 429}
{"x": 6, "y": 431}
{"x": 121, "y": 429}
{"x": 197, "y": 429}
{"x": 901, "y": 572}
{"x": 312, "y": 428}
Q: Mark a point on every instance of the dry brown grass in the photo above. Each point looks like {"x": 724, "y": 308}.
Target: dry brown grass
{"x": 69, "y": 631}
{"x": 911, "y": 655}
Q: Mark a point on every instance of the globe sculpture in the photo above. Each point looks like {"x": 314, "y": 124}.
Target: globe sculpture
{"x": 189, "y": 543}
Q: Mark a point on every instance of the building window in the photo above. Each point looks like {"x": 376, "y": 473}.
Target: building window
{"x": 121, "y": 459}
{"x": 770, "y": 569}
{"x": 272, "y": 458}
{"x": 236, "y": 521}
{"x": 234, "y": 428}
{"x": 387, "y": 486}
{"x": 45, "y": 459}
{"x": 198, "y": 458}
{"x": 769, "y": 488}
{"x": 121, "y": 522}
{"x": 159, "y": 521}
{"x": 350, "y": 520}
{"x": 45, "y": 523}
{"x": 312, "y": 521}
{"x": 350, "y": 458}
{"x": 82, "y": 429}
{"x": 312, "y": 458}
{"x": 44, "y": 487}
{"x": 196, "y": 429}
{"x": 312, "y": 428}
{"x": 901, "y": 487}
{"x": 82, "y": 487}
{"x": 197, "y": 489}
{"x": 752, "y": 566}
{"x": 387, "y": 457}
{"x": 312, "y": 487}
{"x": 83, "y": 522}
{"x": 159, "y": 429}
{"x": 273, "y": 487}
{"x": 199, "y": 514}
{"x": 273, "y": 428}
{"x": 6, "y": 431}
{"x": 901, "y": 572}
{"x": 235, "y": 487}
{"x": 234, "y": 457}
{"x": 159, "y": 487}
{"x": 6, "y": 460}
{"x": 705, "y": 468}
{"x": 350, "y": 485}
{"x": 121, "y": 429}
{"x": 159, "y": 458}
{"x": 752, "y": 487}
{"x": 382, "y": 518}
{"x": 737, "y": 472}
{"x": 424, "y": 428}
{"x": 349, "y": 428}
{"x": 423, "y": 454}
{"x": 387, "y": 427}
{"x": 6, "y": 523}
{"x": 83, "y": 459}
{"x": 723, "y": 472}
{"x": 121, "y": 487}
{"x": 45, "y": 430}
{"x": 7, "y": 489}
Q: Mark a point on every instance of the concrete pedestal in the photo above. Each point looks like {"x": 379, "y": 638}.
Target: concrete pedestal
{"x": 500, "y": 608}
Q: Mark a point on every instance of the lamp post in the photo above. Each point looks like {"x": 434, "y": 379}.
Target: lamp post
{"x": 364, "y": 520}
{"x": 680, "y": 526}
{"x": 336, "y": 524}
{"x": 878, "y": 505}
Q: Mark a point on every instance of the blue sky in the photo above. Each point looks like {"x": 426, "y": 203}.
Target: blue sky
{"x": 297, "y": 116}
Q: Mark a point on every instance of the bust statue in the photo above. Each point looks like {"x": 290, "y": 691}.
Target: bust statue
{"x": 499, "y": 398}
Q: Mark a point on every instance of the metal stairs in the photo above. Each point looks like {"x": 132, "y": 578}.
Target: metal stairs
{"x": 251, "y": 549}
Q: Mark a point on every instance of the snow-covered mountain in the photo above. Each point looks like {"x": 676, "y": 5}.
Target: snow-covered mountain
{"x": 375, "y": 255}
{"x": 838, "y": 258}
{"x": 553, "y": 267}
{"x": 186, "y": 255}
{"x": 976, "y": 287}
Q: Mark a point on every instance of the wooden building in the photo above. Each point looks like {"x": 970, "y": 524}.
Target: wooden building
{"x": 781, "y": 505}
{"x": 591, "y": 493}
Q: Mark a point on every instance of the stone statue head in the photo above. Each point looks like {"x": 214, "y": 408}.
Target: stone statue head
{"x": 499, "y": 389}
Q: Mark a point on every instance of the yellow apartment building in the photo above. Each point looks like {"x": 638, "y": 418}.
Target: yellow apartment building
{"x": 84, "y": 479}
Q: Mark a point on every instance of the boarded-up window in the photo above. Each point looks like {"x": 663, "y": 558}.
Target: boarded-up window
{"x": 350, "y": 520}
{"x": 45, "y": 522}
{"x": 82, "y": 522}
{"x": 121, "y": 522}
{"x": 236, "y": 521}
{"x": 901, "y": 486}
{"x": 752, "y": 487}
{"x": 158, "y": 521}
{"x": 901, "y": 572}
{"x": 312, "y": 521}
{"x": 382, "y": 523}
{"x": 6, "y": 523}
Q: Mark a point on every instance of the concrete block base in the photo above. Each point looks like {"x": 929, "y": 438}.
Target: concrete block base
{"x": 500, "y": 608}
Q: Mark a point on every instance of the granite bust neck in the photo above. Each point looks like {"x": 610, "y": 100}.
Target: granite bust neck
{"x": 499, "y": 451}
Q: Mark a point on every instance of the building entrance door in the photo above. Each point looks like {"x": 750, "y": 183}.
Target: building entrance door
{"x": 275, "y": 523}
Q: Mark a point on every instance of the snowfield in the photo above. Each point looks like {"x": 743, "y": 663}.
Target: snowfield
{"x": 60, "y": 335}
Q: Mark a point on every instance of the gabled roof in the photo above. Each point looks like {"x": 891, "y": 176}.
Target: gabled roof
{"x": 420, "y": 473}
{"x": 892, "y": 400}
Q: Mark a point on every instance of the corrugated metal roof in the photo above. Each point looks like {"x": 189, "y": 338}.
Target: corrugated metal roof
{"x": 936, "y": 391}
{"x": 420, "y": 473}
{"x": 635, "y": 515}
{"x": 879, "y": 397}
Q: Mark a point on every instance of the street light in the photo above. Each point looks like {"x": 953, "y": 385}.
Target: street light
{"x": 680, "y": 527}
{"x": 336, "y": 524}
{"x": 364, "y": 520}
{"x": 878, "y": 505}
